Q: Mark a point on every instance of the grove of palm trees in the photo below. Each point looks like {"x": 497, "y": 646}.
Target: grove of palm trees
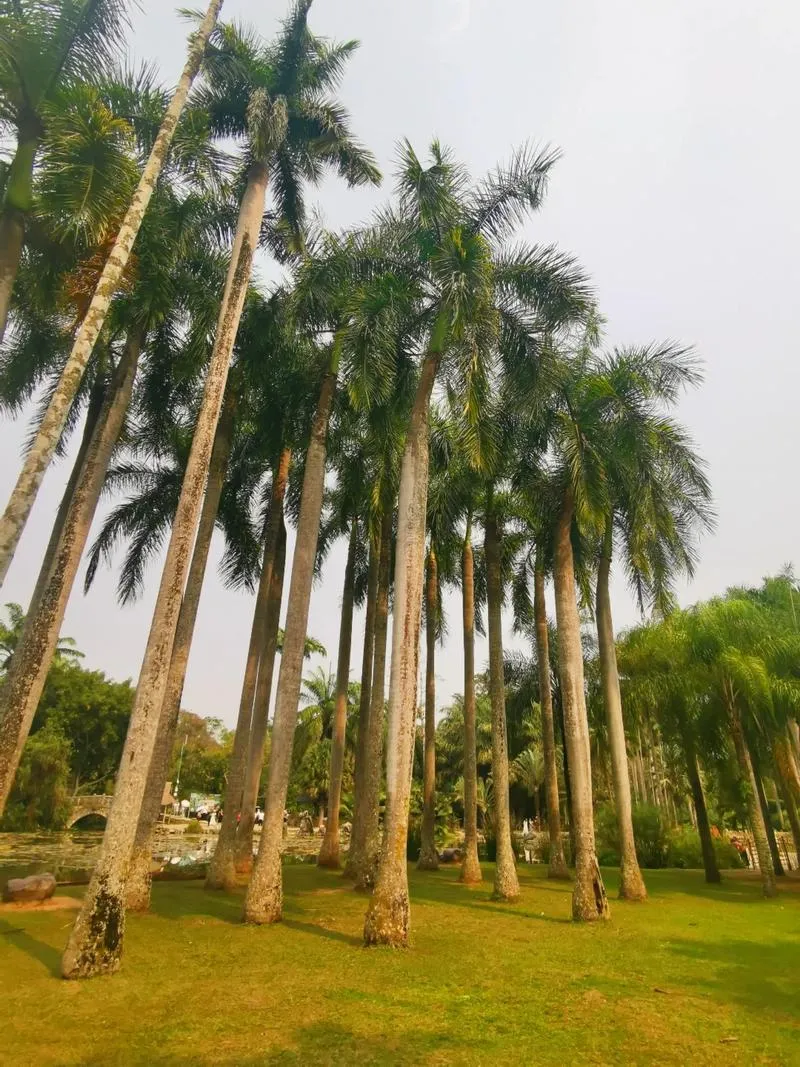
{"x": 479, "y": 713}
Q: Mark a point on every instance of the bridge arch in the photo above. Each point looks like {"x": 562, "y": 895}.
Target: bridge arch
{"x": 89, "y": 805}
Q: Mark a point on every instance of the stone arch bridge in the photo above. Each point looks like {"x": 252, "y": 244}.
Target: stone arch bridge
{"x": 89, "y": 805}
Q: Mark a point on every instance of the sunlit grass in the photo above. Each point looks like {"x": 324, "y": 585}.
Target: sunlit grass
{"x": 696, "y": 975}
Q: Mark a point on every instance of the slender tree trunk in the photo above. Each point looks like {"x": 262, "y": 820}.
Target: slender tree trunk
{"x": 329, "y": 850}
{"x": 558, "y": 865}
{"x": 95, "y": 945}
{"x": 139, "y": 881}
{"x": 772, "y": 841}
{"x": 698, "y": 797}
{"x": 52, "y": 425}
{"x": 243, "y": 850}
{"x": 222, "y": 868}
{"x": 631, "y": 883}
{"x": 97, "y": 399}
{"x": 589, "y": 899}
{"x": 789, "y": 786}
{"x": 264, "y": 900}
{"x": 506, "y": 884}
{"x": 470, "y": 868}
{"x": 17, "y": 203}
{"x": 428, "y": 856}
{"x": 368, "y": 846}
{"x": 368, "y": 656}
{"x": 387, "y": 918}
{"x": 750, "y": 785}
{"x": 33, "y": 656}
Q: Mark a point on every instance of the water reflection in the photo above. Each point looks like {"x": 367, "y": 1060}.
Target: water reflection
{"x": 71, "y": 854}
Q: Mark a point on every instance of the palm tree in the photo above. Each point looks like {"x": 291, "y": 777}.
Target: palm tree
{"x": 96, "y": 19}
{"x": 428, "y": 856}
{"x": 281, "y": 85}
{"x": 450, "y": 237}
{"x": 44, "y": 49}
{"x": 10, "y": 637}
{"x": 162, "y": 298}
{"x": 658, "y": 498}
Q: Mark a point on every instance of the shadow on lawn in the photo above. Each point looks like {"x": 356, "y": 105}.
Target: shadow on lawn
{"x": 38, "y": 950}
{"x": 331, "y": 1043}
{"x": 752, "y": 974}
{"x": 477, "y": 900}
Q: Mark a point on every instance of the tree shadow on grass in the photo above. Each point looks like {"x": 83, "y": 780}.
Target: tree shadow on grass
{"x": 322, "y": 931}
{"x": 761, "y": 977}
{"x": 331, "y": 1043}
{"x": 25, "y": 942}
{"x": 481, "y": 901}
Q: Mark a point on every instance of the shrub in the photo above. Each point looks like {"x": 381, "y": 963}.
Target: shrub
{"x": 542, "y": 845}
{"x": 684, "y": 850}
{"x": 414, "y": 840}
{"x": 193, "y": 828}
{"x": 648, "y": 830}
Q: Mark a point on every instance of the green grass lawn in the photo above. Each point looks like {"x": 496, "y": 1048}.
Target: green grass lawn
{"x": 696, "y": 975}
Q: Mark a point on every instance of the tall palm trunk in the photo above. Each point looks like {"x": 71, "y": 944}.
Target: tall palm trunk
{"x": 139, "y": 882}
{"x": 750, "y": 785}
{"x": 365, "y": 696}
{"x": 329, "y": 850}
{"x": 557, "y": 867}
{"x": 367, "y": 846}
{"x": 50, "y": 429}
{"x": 631, "y": 883}
{"x": 17, "y": 203}
{"x": 789, "y": 786}
{"x": 589, "y": 896}
{"x": 763, "y": 803}
{"x": 33, "y": 656}
{"x": 470, "y": 867}
{"x": 387, "y": 917}
{"x": 243, "y": 849}
{"x": 428, "y": 856}
{"x": 699, "y": 800}
{"x": 506, "y": 884}
{"x": 264, "y": 899}
{"x": 222, "y": 869}
{"x": 95, "y": 945}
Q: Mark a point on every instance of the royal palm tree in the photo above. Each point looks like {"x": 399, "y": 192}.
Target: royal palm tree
{"x": 471, "y": 291}
{"x": 95, "y": 20}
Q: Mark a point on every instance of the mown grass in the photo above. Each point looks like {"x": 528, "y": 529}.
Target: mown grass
{"x": 696, "y": 975}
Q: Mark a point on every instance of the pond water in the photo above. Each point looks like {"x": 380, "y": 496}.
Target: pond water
{"x": 71, "y": 854}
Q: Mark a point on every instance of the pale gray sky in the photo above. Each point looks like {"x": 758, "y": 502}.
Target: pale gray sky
{"x": 677, "y": 191}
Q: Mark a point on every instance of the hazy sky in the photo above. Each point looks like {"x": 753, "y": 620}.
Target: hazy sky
{"x": 677, "y": 190}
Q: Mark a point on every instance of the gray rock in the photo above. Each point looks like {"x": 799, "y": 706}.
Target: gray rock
{"x": 24, "y": 890}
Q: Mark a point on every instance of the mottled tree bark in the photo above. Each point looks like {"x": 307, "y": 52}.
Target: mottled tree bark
{"x": 750, "y": 785}
{"x": 264, "y": 900}
{"x": 631, "y": 883}
{"x": 27, "y": 672}
{"x": 329, "y": 850}
{"x": 368, "y": 655}
{"x": 557, "y": 868}
{"x": 789, "y": 786}
{"x": 387, "y": 919}
{"x": 699, "y": 800}
{"x": 139, "y": 881}
{"x": 506, "y": 884}
{"x": 428, "y": 856}
{"x": 222, "y": 868}
{"x": 772, "y": 841}
{"x": 470, "y": 868}
{"x": 243, "y": 849}
{"x": 589, "y": 899}
{"x": 95, "y": 945}
{"x": 368, "y": 845}
{"x": 49, "y": 433}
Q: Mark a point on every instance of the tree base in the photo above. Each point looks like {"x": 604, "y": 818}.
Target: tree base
{"x": 506, "y": 883}
{"x": 559, "y": 872}
{"x": 589, "y": 900}
{"x": 769, "y": 887}
{"x": 95, "y": 944}
{"x": 631, "y": 885}
{"x": 387, "y": 920}
{"x": 471, "y": 873}
{"x": 428, "y": 860}
{"x": 264, "y": 907}
{"x": 329, "y": 853}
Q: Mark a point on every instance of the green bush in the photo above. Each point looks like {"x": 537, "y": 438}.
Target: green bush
{"x": 40, "y": 798}
{"x": 543, "y": 848}
{"x": 193, "y": 828}
{"x": 648, "y": 830}
{"x": 684, "y": 850}
{"x": 414, "y": 840}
